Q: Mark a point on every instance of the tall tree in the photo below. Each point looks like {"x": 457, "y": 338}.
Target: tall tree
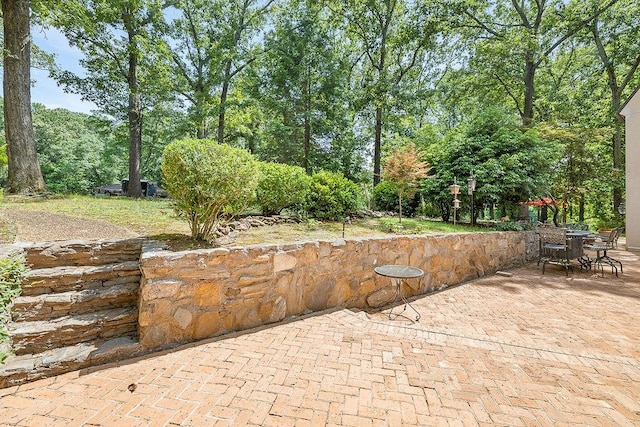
{"x": 24, "y": 175}
{"x": 513, "y": 39}
{"x": 240, "y": 50}
{"x": 303, "y": 84}
{"x": 192, "y": 39}
{"x": 210, "y": 44}
{"x": 115, "y": 38}
{"x": 616, "y": 36}
{"x": 509, "y": 165}
{"x": 392, "y": 36}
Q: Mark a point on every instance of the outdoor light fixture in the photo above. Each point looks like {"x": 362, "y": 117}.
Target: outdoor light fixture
{"x": 471, "y": 188}
{"x": 455, "y": 190}
{"x": 344, "y": 224}
{"x": 622, "y": 208}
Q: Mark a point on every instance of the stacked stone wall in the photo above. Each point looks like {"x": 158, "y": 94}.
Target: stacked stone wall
{"x": 188, "y": 296}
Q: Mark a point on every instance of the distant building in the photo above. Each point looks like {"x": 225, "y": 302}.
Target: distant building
{"x": 630, "y": 112}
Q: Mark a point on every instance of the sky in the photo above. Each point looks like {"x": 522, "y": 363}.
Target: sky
{"x": 45, "y": 90}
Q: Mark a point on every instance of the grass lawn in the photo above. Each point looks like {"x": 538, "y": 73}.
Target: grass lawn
{"x": 144, "y": 216}
{"x": 156, "y": 217}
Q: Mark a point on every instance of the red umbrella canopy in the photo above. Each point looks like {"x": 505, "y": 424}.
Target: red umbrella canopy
{"x": 543, "y": 201}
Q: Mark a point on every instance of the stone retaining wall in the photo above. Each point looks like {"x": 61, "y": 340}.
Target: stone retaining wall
{"x": 189, "y": 296}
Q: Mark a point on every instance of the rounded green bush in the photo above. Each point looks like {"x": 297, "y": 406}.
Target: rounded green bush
{"x": 385, "y": 198}
{"x": 332, "y": 196}
{"x": 206, "y": 179}
{"x": 281, "y": 186}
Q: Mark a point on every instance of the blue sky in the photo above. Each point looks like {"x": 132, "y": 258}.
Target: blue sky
{"x": 46, "y": 91}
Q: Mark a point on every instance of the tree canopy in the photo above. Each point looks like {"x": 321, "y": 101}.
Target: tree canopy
{"x": 522, "y": 93}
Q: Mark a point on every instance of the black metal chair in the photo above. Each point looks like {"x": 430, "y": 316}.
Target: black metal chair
{"x": 555, "y": 248}
{"x": 603, "y": 243}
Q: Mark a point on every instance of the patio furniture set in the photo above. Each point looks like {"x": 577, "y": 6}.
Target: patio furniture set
{"x": 560, "y": 246}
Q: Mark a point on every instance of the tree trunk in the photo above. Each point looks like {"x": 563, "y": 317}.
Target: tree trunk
{"x": 377, "y": 147}
{"x": 529, "y": 90}
{"x": 24, "y": 174}
{"x": 223, "y": 101}
{"x": 306, "y": 164}
{"x": 617, "y": 164}
{"x": 616, "y": 91}
{"x": 202, "y": 127}
{"x": 227, "y": 74}
{"x": 202, "y": 123}
{"x": 135, "y": 128}
{"x": 307, "y": 123}
{"x": 381, "y": 92}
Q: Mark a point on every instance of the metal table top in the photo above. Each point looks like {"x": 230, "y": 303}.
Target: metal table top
{"x": 399, "y": 271}
{"x": 578, "y": 233}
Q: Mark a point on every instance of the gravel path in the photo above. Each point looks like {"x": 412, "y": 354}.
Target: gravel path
{"x": 44, "y": 226}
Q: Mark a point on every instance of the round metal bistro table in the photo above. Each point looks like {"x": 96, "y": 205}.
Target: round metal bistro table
{"x": 399, "y": 274}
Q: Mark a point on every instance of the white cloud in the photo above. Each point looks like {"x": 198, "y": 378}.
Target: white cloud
{"x": 46, "y": 90}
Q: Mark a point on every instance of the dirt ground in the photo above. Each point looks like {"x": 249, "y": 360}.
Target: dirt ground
{"x": 43, "y": 226}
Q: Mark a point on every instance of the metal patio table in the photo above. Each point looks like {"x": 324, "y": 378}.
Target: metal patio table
{"x": 399, "y": 274}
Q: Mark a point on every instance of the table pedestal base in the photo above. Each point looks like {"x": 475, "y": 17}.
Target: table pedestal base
{"x": 400, "y": 294}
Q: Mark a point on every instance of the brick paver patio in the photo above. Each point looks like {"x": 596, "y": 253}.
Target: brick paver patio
{"x": 522, "y": 350}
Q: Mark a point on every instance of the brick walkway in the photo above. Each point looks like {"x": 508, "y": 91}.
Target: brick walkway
{"x": 522, "y": 350}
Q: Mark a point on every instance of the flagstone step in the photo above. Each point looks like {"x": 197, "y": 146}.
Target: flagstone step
{"x": 30, "y": 367}
{"x": 71, "y": 278}
{"x": 42, "y": 335}
{"x": 82, "y": 252}
{"x": 50, "y": 306}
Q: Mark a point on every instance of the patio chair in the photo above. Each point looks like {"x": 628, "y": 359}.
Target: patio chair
{"x": 603, "y": 243}
{"x": 618, "y": 234}
{"x": 554, "y": 248}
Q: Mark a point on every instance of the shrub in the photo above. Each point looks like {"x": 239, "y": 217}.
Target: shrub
{"x": 513, "y": 226}
{"x": 385, "y": 198}
{"x": 281, "y": 186}
{"x": 332, "y": 196}
{"x": 206, "y": 179}
{"x": 12, "y": 271}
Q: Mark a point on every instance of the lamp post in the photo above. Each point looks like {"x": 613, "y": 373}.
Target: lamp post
{"x": 622, "y": 208}
{"x": 455, "y": 190}
{"x": 344, "y": 224}
{"x": 471, "y": 188}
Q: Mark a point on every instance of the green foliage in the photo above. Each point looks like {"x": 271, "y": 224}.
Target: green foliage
{"x": 512, "y": 226}
{"x": 73, "y": 156}
{"x": 13, "y": 269}
{"x": 281, "y": 186}
{"x": 385, "y": 198}
{"x": 317, "y": 84}
{"x": 510, "y": 164}
{"x": 303, "y": 87}
{"x": 417, "y": 226}
{"x": 584, "y": 173}
{"x": 206, "y": 179}
{"x": 332, "y": 196}
{"x": 405, "y": 169}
